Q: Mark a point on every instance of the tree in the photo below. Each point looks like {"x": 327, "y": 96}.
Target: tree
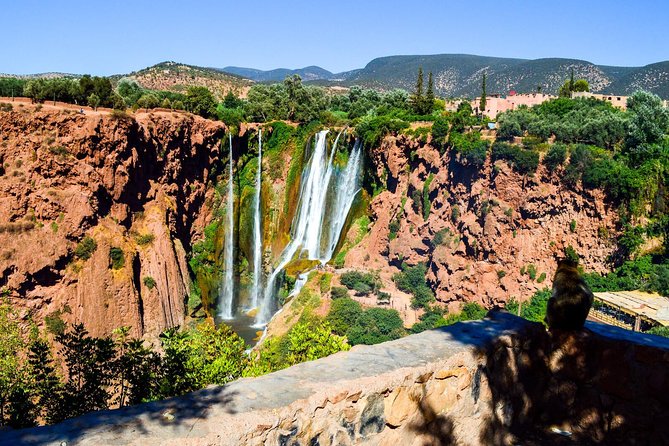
{"x": 376, "y": 325}
{"x": 147, "y": 101}
{"x": 482, "y": 104}
{"x": 47, "y": 389}
{"x": 200, "y": 101}
{"x": 89, "y": 364}
{"x": 417, "y": 99}
{"x": 429, "y": 96}
{"x": 648, "y": 122}
{"x": 308, "y": 341}
{"x": 94, "y": 101}
{"x": 581, "y": 85}
{"x": 14, "y": 383}
{"x": 344, "y": 313}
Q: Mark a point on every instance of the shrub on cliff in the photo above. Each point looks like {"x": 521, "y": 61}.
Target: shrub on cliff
{"x": 362, "y": 283}
{"x": 116, "y": 258}
{"x": 376, "y": 325}
{"x": 521, "y": 160}
{"x": 372, "y": 129}
{"x": 556, "y": 156}
{"x": 471, "y": 149}
{"x": 412, "y": 280}
{"x": 85, "y": 248}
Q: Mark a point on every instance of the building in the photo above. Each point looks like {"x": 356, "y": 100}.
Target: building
{"x": 496, "y": 104}
{"x": 615, "y": 100}
{"x": 633, "y": 310}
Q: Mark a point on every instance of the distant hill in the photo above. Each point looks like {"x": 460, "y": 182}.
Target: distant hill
{"x": 461, "y": 74}
{"x": 311, "y": 73}
{"x": 455, "y": 75}
{"x": 178, "y": 77}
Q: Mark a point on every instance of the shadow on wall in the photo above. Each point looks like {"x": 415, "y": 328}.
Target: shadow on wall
{"x": 565, "y": 388}
{"x": 143, "y": 419}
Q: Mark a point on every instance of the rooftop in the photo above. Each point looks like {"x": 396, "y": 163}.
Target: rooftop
{"x": 650, "y": 306}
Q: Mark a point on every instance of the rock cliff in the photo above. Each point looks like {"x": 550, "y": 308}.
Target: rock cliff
{"x": 137, "y": 184}
{"x": 499, "y": 231}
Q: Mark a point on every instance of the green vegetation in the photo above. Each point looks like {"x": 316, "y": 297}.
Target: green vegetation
{"x": 362, "y": 283}
{"x": 86, "y": 247}
{"x": 116, "y": 257}
{"x": 522, "y": 160}
{"x": 145, "y": 239}
{"x": 435, "y": 317}
{"x": 533, "y": 310}
{"x": 426, "y": 196}
{"x": 118, "y": 370}
{"x": 412, "y": 280}
{"x": 370, "y": 326}
{"x": 470, "y": 147}
{"x": 149, "y": 282}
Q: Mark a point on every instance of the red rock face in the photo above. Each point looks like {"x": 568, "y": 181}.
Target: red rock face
{"x": 504, "y": 222}
{"x": 68, "y": 175}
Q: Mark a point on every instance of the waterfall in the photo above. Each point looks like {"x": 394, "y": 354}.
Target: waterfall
{"x": 257, "y": 233}
{"x": 227, "y": 288}
{"x": 311, "y": 224}
{"x": 346, "y": 191}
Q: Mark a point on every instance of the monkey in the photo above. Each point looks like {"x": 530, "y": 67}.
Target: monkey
{"x": 570, "y": 303}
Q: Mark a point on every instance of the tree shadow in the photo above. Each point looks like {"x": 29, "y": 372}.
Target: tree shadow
{"x": 171, "y": 416}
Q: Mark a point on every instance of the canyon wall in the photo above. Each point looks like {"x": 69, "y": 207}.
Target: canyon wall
{"x": 494, "y": 224}
{"x": 134, "y": 183}
{"x": 498, "y": 381}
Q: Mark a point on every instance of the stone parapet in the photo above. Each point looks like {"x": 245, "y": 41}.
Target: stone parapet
{"x": 501, "y": 380}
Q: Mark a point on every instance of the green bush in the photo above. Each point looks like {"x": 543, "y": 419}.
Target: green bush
{"x": 426, "y": 196}
{"x": 571, "y": 254}
{"x": 362, "y": 283}
{"x": 470, "y": 147}
{"x": 412, "y": 280}
{"x": 521, "y": 160}
{"x": 344, "y": 314}
{"x": 54, "y": 323}
{"x": 116, "y": 257}
{"x": 376, "y": 325}
{"x": 535, "y": 309}
{"x": 556, "y": 156}
{"x": 145, "y": 239}
{"x": 149, "y": 282}
{"x": 86, "y": 247}
{"x": 338, "y": 292}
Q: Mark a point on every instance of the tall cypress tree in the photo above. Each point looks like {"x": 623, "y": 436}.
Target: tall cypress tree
{"x": 484, "y": 100}
{"x": 417, "y": 98}
{"x": 429, "y": 96}
{"x": 571, "y": 81}
{"x": 48, "y": 388}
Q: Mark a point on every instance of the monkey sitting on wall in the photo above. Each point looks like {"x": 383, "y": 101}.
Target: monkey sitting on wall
{"x": 571, "y": 300}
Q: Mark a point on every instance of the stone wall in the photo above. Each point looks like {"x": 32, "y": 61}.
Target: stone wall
{"x": 502, "y": 380}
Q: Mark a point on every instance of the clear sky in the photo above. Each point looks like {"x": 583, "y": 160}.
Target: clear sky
{"x": 118, "y": 36}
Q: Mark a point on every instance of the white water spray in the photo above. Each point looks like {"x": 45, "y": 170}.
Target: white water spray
{"x": 227, "y": 288}
{"x": 257, "y": 233}
{"x": 310, "y": 225}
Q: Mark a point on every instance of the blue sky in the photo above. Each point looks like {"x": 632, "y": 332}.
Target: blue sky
{"x": 120, "y": 36}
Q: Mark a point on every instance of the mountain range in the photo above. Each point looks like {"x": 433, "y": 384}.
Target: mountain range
{"x": 455, "y": 75}
{"x": 461, "y": 74}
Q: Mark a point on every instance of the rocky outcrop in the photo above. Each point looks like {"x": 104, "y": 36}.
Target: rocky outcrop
{"x": 500, "y": 231}
{"x": 499, "y": 381}
{"x": 135, "y": 183}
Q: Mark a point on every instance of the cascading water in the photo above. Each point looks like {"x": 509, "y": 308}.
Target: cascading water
{"x": 227, "y": 289}
{"x": 346, "y": 191}
{"x": 314, "y": 234}
{"x": 257, "y": 235}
